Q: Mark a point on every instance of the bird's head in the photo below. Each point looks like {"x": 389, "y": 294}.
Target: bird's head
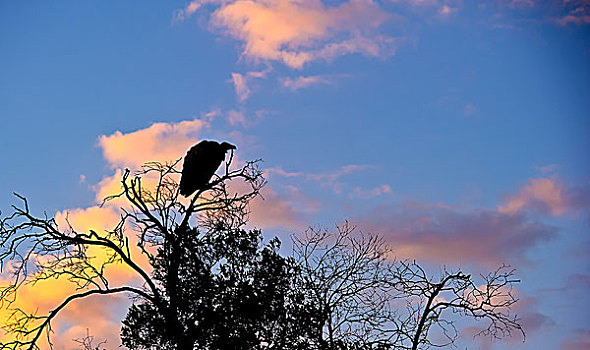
{"x": 227, "y": 146}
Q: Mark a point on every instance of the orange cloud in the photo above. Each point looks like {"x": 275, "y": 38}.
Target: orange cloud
{"x": 159, "y": 142}
{"x": 295, "y": 32}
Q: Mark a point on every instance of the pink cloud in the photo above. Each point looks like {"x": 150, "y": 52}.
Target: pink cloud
{"x": 580, "y": 340}
{"x": 105, "y": 325}
{"x": 578, "y": 12}
{"x": 295, "y": 32}
{"x": 548, "y": 196}
{"x": 236, "y": 117}
{"x": 529, "y": 317}
{"x": 273, "y": 210}
{"x": 438, "y": 234}
{"x": 446, "y": 11}
{"x": 543, "y": 195}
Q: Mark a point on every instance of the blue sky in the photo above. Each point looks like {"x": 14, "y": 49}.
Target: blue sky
{"x": 473, "y": 115}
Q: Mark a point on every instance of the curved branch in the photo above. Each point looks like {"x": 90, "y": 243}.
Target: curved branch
{"x": 39, "y": 329}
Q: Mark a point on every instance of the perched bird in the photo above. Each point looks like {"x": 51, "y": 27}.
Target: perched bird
{"x": 200, "y": 163}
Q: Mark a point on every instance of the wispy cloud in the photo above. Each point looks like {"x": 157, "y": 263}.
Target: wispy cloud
{"x": 296, "y": 32}
{"x": 330, "y": 179}
{"x": 578, "y": 12}
{"x": 302, "y": 82}
{"x": 364, "y": 193}
{"x": 242, "y": 89}
{"x": 241, "y": 83}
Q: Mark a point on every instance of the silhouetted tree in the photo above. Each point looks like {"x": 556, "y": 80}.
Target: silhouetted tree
{"x": 35, "y": 248}
{"x": 87, "y": 342}
{"x": 234, "y": 293}
{"x": 212, "y": 284}
{"x": 368, "y": 300}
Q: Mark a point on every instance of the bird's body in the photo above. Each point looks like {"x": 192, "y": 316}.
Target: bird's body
{"x": 200, "y": 163}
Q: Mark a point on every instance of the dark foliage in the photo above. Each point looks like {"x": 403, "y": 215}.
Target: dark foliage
{"x": 224, "y": 290}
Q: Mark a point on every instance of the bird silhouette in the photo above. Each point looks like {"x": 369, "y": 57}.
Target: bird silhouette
{"x": 200, "y": 163}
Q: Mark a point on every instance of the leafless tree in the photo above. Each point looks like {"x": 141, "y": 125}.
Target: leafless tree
{"x": 87, "y": 342}
{"x": 34, "y": 247}
{"x": 368, "y": 300}
{"x": 347, "y": 279}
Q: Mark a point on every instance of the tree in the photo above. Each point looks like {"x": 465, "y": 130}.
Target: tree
{"x": 35, "y": 248}
{"x": 370, "y": 301}
{"x": 212, "y": 284}
{"x": 235, "y": 295}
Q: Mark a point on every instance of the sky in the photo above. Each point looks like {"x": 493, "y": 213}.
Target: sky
{"x": 458, "y": 130}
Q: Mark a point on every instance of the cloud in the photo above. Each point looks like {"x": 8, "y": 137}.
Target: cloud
{"x": 577, "y": 12}
{"x": 282, "y": 172}
{"x": 330, "y": 179}
{"x": 527, "y": 310}
{"x": 359, "y": 192}
{"x": 542, "y": 195}
{"x": 578, "y": 280}
{"x": 580, "y": 340}
{"x": 438, "y": 234}
{"x": 273, "y": 210}
{"x": 303, "y": 82}
{"x": 547, "y": 196}
{"x": 241, "y": 83}
{"x": 446, "y": 11}
{"x": 158, "y": 142}
{"x": 236, "y": 117}
{"x": 521, "y": 3}
{"x": 242, "y": 90}
{"x": 103, "y": 322}
{"x": 532, "y": 321}
{"x": 296, "y": 32}
{"x": 101, "y": 316}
